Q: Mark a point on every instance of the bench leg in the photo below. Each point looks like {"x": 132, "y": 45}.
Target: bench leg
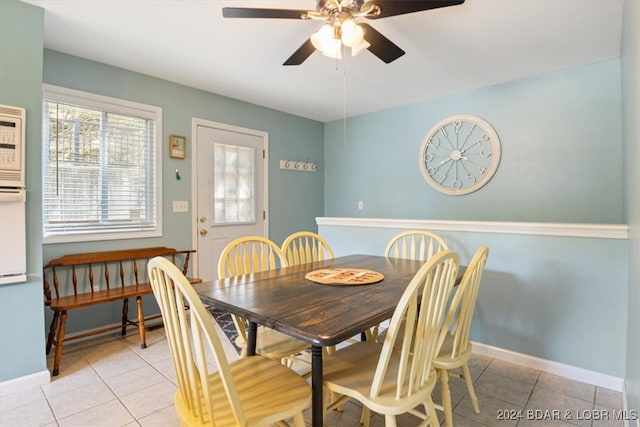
{"x": 125, "y": 314}
{"x": 143, "y": 337}
{"x": 59, "y": 341}
{"x": 52, "y": 330}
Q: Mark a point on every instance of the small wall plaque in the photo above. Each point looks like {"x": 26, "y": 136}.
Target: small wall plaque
{"x": 177, "y": 146}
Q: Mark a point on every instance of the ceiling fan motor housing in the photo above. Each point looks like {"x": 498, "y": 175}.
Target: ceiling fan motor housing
{"x": 331, "y": 5}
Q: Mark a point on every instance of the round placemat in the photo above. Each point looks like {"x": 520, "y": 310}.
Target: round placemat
{"x": 344, "y": 276}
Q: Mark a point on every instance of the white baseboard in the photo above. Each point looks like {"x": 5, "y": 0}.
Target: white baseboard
{"x": 556, "y": 368}
{"x": 24, "y": 383}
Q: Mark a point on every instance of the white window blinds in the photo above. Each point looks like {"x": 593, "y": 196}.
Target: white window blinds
{"x": 100, "y": 168}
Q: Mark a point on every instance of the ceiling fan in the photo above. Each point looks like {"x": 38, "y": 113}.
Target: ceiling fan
{"x": 340, "y": 29}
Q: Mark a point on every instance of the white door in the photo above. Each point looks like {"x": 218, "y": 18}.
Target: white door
{"x": 230, "y": 186}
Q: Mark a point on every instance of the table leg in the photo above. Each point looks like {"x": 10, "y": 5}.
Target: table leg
{"x": 317, "y": 409}
{"x": 252, "y": 336}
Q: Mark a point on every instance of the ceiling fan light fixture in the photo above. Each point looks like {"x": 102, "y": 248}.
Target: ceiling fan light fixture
{"x": 325, "y": 41}
{"x": 351, "y": 33}
{"x": 322, "y": 38}
{"x": 333, "y": 49}
{"x": 359, "y": 47}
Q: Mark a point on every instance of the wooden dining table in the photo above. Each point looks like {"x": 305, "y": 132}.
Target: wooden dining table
{"x": 320, "y": 314}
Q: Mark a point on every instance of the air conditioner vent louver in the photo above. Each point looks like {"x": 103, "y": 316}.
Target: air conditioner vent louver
{"x": 10, "y": 111}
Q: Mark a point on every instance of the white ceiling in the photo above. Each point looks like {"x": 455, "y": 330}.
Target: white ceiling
{"x": 448, "y": 50}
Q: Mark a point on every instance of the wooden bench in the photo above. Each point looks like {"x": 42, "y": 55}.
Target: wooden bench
{"x": 86, "y": 279}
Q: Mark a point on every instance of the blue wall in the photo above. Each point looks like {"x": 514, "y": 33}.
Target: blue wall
{"x": 561, "y": 154}
{"x": 631, "y": 102}
{"x": 21, "y": 305}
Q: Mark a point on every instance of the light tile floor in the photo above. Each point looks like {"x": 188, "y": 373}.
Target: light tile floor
{"x": 109, "y": 381}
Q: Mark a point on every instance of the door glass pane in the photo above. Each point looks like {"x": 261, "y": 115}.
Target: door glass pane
{"x": 233, "y": 184}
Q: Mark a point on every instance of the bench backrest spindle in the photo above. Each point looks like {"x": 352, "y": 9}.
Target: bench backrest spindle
{"x": 135, "y": 273}
{"x": 185, "y": 267}
{"x": 91, "y": 285}
{"x": 74, "y": 279}
{"x": 106, "y": 275}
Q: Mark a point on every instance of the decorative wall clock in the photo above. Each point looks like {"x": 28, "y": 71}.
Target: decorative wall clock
{"x": 459, "y": 154}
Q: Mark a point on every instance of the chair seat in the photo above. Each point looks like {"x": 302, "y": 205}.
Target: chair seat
{"x": 275, "y": 345}
{"x": 444, "y": 359}
{"x": 350, "y": 370}
{"x": 268, "y": 392}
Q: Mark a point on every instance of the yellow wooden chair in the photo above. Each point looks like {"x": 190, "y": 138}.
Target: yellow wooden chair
{"x": 456, "y": 348}
{"x": 305, "y": 247}
{"x": 411, "y": 244}
{"x": 252, "y": 391}
{"x": 394, "y": 380}
{"x": 252, "y": 254}
{"x": 414, "y": 244}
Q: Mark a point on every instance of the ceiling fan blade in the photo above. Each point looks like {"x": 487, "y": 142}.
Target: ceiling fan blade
{"x": 400, "y": 7}
{"x": 249, "y": 12}
{"x": 381, "y": 46}
{"x": 300, "y": 55}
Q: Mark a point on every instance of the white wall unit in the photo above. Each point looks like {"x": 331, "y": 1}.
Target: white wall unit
{"x": 13, "y": 250}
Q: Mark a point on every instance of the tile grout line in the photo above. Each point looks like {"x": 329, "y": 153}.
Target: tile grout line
{"x": 55, "y": 419}
{"x": 533, "y": 389}
{"x": 116, "y": 395}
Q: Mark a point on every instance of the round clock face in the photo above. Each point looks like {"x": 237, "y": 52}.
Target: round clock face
{"x": 459, "y": 155}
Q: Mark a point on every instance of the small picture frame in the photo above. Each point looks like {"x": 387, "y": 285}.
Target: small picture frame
{"x": 177, "y": 146}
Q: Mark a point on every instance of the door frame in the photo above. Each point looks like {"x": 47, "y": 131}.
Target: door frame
{"x": 195, "y": 122}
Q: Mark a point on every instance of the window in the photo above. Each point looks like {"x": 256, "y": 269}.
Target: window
{"x": 233, "y": 177}
{"x": 101, "y": 167}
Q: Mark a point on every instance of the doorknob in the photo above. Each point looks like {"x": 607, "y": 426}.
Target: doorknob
{"x": 203, "y": 232}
